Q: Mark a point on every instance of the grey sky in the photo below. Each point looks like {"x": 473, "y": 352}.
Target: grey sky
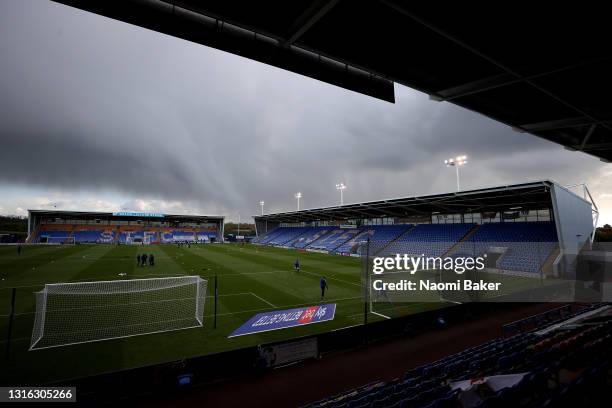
{"x": 104, "y": 115}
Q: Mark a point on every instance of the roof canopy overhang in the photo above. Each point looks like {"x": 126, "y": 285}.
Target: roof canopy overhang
{"x": 544, "y": 72}
{"x": 110, "y": 215}
{"x": 528, "y": 196}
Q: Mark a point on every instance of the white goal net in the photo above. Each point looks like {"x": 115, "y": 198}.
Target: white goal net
{"x": 81, "y": 312}
{"x": 67, "y": 240}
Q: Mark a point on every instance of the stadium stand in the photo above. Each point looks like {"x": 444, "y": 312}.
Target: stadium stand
{"x": 51, "y": 226}
{"x": 53, "y": 234}
{"x": 314, "y": 234}
{"x": 535, "y": 321}
{"x": 381, "y": 234}
{"x": 524, "y": 246}
{"x": 520, "y": 246}
{"x": 183, "y": 236}
{"x": 53, "y": 237}
{"x": 126, "y": 237}
{"x": 206, "y": 235}
{"x": 94, "y": 236}
{"x": 84, "y": 234}
{"x": 287, "y": 234}
{"x": 334, "y": 239}
{"x": 563, "y": 362}
{"x": 267, "y": 237}
{"x": 166, "y": 237}
{"x": 428, "y": 239}
{"x": 337, "y": 240}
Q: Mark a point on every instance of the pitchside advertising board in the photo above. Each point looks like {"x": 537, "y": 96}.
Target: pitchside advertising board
{"x": 282, "y": 319}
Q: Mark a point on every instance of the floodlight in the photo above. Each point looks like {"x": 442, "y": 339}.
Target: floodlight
{"x": 297, "y": 196}
{"x": 341, "y": 187}
{"x": 456, "y": 162}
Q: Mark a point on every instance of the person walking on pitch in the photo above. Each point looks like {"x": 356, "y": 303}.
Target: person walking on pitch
{"x": 323, "y": 284}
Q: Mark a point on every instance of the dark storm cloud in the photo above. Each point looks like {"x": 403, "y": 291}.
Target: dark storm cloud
{"x": 93, "y": 104}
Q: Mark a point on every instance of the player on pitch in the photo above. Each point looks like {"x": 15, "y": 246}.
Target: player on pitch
{"x": 296, "y": 265}
{"x": 323, "y": 284}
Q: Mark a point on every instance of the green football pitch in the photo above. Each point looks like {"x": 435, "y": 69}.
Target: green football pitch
{"x": 251, "y": 279}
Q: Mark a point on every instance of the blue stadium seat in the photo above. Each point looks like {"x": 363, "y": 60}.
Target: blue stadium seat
{"x": 526, "y": 245}
{"x": 334, "y": 238}
{"x": 428, "y": 239}
{"x": 379, "y": 235}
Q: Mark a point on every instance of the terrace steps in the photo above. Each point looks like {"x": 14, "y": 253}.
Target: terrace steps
{"x": 294, "y": 237}
{"x": 320, "y": 237}
{"x": 343, "y": 242}
{"x": 401, "y": 235}
{"x": 465, "y": 238}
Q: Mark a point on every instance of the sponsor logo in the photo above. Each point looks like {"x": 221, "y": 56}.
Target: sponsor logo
{"x": 282, "y": 319}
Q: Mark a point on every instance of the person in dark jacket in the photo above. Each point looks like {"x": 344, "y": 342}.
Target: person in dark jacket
{"x": 323, "y": 284}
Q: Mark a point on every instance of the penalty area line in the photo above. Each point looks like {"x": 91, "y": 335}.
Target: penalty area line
{"x": 262, "y": 299}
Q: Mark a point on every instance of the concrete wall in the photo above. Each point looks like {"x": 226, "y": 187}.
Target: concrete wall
{"x": 574, "y": 221}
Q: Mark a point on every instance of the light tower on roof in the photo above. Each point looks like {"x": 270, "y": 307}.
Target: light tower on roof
{"x": 456, "y": 162}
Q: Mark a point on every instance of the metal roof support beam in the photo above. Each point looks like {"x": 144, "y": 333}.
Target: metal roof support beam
{"x": 500, "y": 80}
{"x": 480, "y": 85}
{"x": 413, "y": 210}
{"x": 307, "y": 20}
{"x": 384, "y": 213}
{"x": 348, "y": 213}
{"x": 587, "y": 136}
{"x": 560, "y": 124}
{"x": 493, "y": 61}
{"x": 595, "y": 146}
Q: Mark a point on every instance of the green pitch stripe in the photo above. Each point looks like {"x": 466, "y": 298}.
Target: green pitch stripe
{"x": 224, "y": 264}
{"x": 337, "y": 273}
{"x": 29, "y": 268}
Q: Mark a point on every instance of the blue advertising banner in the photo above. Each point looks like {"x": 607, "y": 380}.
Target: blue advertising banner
{"x": 281, "y": 319}
{"x": 137, "y": 214}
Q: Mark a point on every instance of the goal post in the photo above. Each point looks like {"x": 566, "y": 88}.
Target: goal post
{"x": 66, "y": 240}
{"x": 83, "y": 312}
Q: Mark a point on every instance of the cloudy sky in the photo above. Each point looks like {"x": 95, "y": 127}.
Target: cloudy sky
{"x": 100, "y": 115}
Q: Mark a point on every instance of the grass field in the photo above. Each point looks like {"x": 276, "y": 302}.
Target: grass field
{"x": 251, "y": 279}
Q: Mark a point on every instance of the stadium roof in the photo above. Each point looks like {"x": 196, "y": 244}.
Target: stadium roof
{"x": 545, "y": 72}
{"x": 528, "y": 196}
{"x": 122, "y": 214}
